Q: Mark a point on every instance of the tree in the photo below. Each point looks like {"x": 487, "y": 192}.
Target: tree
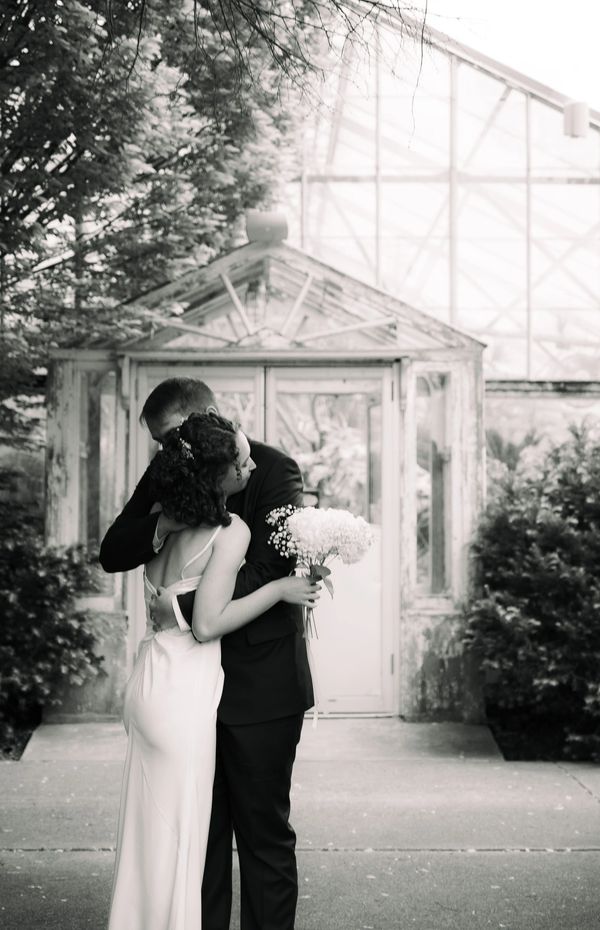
{"x": 118, "y": 167}
{"x": 293, "y": 34}
{"x": 135, "y": 135}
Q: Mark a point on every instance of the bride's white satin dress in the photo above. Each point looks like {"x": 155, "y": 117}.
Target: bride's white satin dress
{"x": 170, "y": 715}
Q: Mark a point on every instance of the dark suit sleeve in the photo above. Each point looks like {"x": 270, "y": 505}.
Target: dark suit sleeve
{"x": 128, "y": 542}
{"x": 281, "y": 485}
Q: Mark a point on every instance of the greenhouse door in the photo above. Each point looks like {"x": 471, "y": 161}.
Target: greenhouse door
{"x": 338, "y": 425}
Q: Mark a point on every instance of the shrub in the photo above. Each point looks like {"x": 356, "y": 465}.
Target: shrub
{"x": 535, "y": 618}
{"x": 44, "y": 640}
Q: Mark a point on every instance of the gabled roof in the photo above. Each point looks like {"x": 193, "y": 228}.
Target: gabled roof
{"x": 273, "y": 296}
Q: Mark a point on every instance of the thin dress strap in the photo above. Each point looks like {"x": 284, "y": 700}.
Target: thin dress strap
{"x": 202, "y": 551}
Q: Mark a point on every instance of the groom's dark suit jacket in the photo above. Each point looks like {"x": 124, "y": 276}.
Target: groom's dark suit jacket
{"x": 265, "y": 663}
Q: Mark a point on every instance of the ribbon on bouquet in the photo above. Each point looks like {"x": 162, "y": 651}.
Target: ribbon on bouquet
{"x": 308, "y": 633}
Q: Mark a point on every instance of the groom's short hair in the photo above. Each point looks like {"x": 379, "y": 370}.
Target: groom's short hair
{"x": 177, "y": 395}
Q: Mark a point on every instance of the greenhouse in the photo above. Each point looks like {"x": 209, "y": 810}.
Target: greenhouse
{"x": 451, "y": 182}
{"x": 472, "y": 192}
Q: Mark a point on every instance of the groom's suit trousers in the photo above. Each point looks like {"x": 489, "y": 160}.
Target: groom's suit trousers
{"x": 252, "y": 797}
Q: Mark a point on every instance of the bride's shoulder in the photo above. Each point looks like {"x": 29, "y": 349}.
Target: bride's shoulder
{"x": 236, "y": 531}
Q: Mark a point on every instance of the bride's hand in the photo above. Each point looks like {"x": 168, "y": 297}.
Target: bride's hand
{"x": 298, "y": 590}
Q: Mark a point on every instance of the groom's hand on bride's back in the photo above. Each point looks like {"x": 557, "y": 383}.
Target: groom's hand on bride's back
{"x": 161, "y": 611}
{"x": 167, "y": 524}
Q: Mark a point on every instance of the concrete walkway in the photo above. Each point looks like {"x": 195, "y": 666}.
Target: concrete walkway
{"x": 399, "y": 826}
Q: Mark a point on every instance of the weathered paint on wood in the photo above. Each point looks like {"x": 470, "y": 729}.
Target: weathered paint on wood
{"x": 62, "y": 454}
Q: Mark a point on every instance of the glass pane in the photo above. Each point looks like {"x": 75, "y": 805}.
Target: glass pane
{"x": 408, "y": 68}
{"x": 414, "y": 209}
{"x": 565, "y": 351}
{"x": 417, "y": 136}
{"x": 374, "y": 441}
{"x": 520, "y": 427}
{"x": 491, "y": 273}
{"x": 353, "y": 255}
{"x": 414, "y": 252}
{"x": 239, "y": 406}
{"x": 337, "y": 209}
{"x": 328, "y": 435}
{"x": 491, "y": 125}
{"x": 565, "y": 274}
{"x": 433, "y": 532}
{"x": 97, "y": 465}
{"x": 565, "y": 259}
{"x": 342, "y": 138}
{"x": 505, "y": 358}
{"x": 417, "y": 271}
{"x": 564, "y": 211}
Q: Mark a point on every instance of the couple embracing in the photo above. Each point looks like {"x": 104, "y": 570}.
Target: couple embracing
{"x": 215, "y": 702}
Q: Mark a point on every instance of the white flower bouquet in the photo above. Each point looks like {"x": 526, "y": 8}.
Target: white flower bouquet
{"x": 314, "y": 537}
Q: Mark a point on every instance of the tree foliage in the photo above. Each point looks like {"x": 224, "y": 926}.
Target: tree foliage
{"x": 119, "y": 168}
{"x": 135, "y": 134}
{"x": 295, "y": 35}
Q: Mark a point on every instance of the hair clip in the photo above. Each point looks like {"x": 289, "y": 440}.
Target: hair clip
{"x": 186, "y": 449}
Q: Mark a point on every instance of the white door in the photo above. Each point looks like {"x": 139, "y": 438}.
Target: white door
{"x": 338, "y": 425}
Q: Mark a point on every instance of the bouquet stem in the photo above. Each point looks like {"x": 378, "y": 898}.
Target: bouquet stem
{"x": 310, "y": 626}
{"x": 316, "y": 572}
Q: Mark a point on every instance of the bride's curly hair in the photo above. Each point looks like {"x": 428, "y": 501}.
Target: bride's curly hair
{"x": 187, "y": 473}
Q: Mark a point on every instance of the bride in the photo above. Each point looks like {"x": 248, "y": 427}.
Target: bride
{"x": 172, "y": 695}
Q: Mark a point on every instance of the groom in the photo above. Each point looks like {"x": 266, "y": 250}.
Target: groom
{"x": 267, "y": 681}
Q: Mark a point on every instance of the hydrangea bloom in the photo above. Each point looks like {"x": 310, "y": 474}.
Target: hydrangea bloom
{"x": 314, "y": 536}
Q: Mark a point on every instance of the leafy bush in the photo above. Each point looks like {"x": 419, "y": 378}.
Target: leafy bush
{"x": 44, "y": 640}
{"x": 535, "y": 619}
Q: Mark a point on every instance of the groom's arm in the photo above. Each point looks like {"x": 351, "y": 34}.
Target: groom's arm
{"x": 129, "y": 541}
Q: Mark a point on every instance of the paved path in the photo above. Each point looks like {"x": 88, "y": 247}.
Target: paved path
{"x": 399, "y": 826}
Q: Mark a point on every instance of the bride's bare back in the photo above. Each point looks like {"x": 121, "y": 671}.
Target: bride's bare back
{"x": 176, "y": 558}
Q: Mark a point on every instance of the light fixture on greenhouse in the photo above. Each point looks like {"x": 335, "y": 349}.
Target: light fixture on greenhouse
{"x": 576, "y": 118}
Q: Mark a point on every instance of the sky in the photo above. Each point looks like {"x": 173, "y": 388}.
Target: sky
{"x": 554, "y": 41}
